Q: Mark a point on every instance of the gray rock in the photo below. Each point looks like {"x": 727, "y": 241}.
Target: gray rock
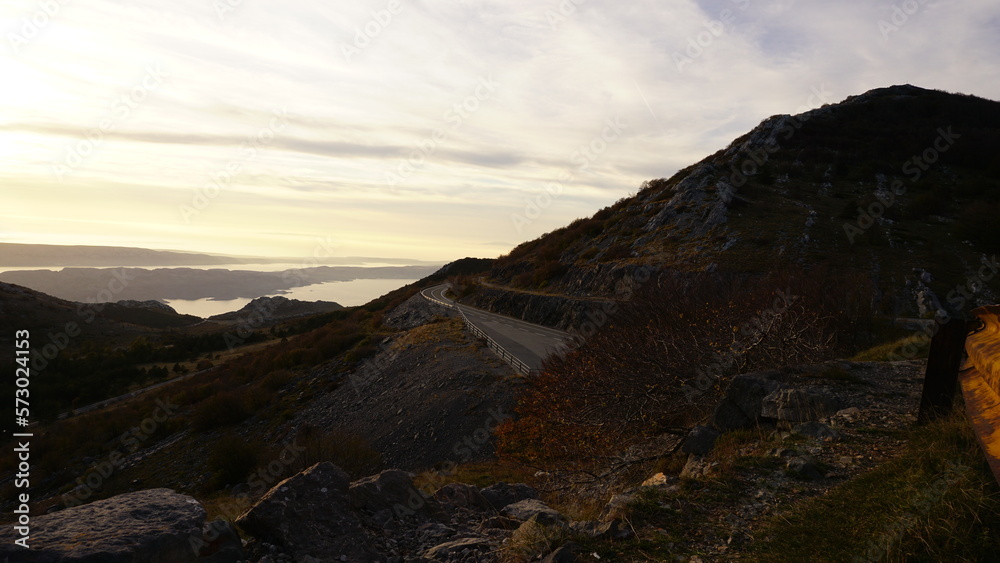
{"x": 799, "y": 405}
{"x": 308, "y": 515}
{"x": 449, "y": 549}
{"x": 154, "y": 525}
{"x": 527, "y": 509}
{"x": 615, "y": 529}
{"x": 848, "y": 414}
{"x": 617, "y": 507}
{"x": 499, "y": 523}
{"x": 804, "y": 468}
{"x": 741, "y": 405}
{"x": 391, "y": 491}
{"x": 816, "y": 430}
{"x": 781, "y": 452}
{"x": 503, "y": 494}
{"x": 698, "y": 468}
{"x": 700, "y": 440}
{"x": 462, "y": 496}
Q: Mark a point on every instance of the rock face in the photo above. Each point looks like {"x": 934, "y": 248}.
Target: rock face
{"x": 741, "y": 406}
{"x": 309, "y": 516}
{"x": 155, "y": 526}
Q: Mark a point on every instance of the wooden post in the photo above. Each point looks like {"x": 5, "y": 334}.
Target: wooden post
{"x": 943, "y": 363}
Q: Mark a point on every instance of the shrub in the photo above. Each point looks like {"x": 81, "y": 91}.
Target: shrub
{"x": 232, "y": 459}
{"x": 662, "y": 360}
{"x": 224, "y": 409}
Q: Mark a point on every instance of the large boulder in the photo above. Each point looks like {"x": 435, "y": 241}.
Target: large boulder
{"x": 391, "y": 493}
{"x": 741, "y": 405}
{"x": 700, "y": 440}
{"x": 309, "y": 516}
{"x": 154, "y": 526}
{"x": 502, "y": 494}
{"x": 799, "y": 405}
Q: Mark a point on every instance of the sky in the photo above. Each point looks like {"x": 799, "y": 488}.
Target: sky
{"x": 429, "y": 130}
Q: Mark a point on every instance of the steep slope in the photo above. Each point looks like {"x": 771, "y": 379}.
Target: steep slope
{"x": 895, "y": 182}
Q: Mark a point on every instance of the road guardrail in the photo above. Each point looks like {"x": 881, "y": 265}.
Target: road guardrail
{"x": 504, "y": 354}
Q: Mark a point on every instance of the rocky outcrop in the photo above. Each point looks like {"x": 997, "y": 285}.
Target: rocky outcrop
{"x": 798, "y": 405}
{"x": 318, "y": 515}
{"x": 774, "y": 396}
{"x": 742, "y": 403}
{"x": 309, "y": 515}
{"x": 390, "y": 494}
{"x": 155, "y": 526}
{"x": 503, "y": 494}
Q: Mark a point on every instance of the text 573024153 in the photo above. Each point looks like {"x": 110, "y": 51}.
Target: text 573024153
{"x": 22, "y": 441}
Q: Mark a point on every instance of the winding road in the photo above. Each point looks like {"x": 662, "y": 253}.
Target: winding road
{"x": 529, "y": 343}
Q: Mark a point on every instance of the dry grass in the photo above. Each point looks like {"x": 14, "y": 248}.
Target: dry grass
{"x": 938, "y": 501}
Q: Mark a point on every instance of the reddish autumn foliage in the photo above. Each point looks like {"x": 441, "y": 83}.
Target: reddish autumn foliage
{"x": 661, "y": 360}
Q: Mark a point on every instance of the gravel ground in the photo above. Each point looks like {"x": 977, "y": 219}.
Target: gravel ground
{"x": 431, "y": 395}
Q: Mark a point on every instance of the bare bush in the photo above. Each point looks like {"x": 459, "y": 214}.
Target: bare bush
{"x": 661, "y": 361}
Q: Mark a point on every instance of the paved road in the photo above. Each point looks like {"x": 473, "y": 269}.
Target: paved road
{"x": 529, "y": 342}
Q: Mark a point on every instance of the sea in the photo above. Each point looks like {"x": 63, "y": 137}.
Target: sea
{"x": 347, "y": 293}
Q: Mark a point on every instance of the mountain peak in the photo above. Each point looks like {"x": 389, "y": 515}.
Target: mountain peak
{"x": 887, "y": 181}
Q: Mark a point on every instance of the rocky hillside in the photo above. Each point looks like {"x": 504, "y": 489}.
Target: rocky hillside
{"x": 900, "y": 183}
{"x": 791, "y": 435}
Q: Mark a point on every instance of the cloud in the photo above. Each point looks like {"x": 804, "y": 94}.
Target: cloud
{"x": 363, "y": 93}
